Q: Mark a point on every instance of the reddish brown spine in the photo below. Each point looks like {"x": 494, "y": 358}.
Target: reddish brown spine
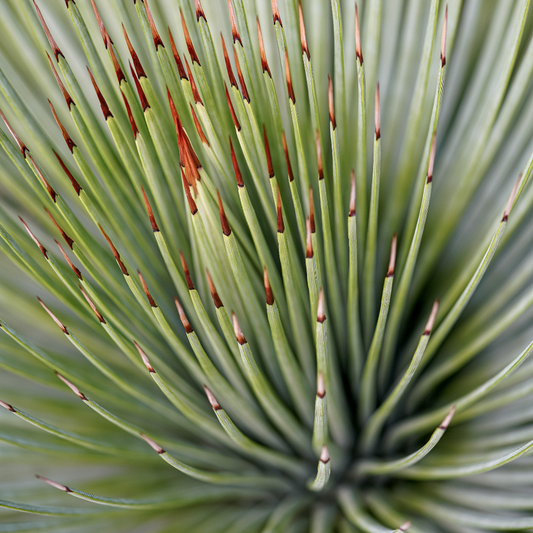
{"x": 177, "y": 58}
{"x": 303, "y": 35}
{"x": 155, "y": 34}
{"x": 214, "y": 294}
{"x": 115, "y": 252}
{"x": 264, "y": 61}
{"x": 190, "y": 46}
{"x": 223, "y": 219}
{"x": 190, "y": 284}
{"x": 75, "y": 184}
{"x": 135, "y": 58}
{"x": 70, "y": 143}
{"x": 53, "y": 44}
{"x": 64, "y": 92}
{"x": 103, "y": 104}
{"x": 68, "y": 240}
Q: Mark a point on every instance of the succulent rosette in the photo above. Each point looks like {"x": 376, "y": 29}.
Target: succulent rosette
{"x": 282, "y": 280}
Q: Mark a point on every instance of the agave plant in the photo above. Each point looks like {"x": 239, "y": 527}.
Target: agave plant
{"x": 255, "y": 317}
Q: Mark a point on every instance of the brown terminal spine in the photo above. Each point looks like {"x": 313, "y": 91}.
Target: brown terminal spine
{"x": 142, "y": 97}
{"x": 54, "y": 318}
{"x": 320, "y": 311}
{"x": 289, "y": 79}
{"x": 234, "y": 30}
{"x": 116, "y": 65}
{"x": 153, "y": 222}
{"x": 312, "y": 210}
{"x": 115, "y": 252}
{"x": 64, "y": 92}
{"x": 264, "y": 61}
{"x": 103, "y": 104}
{"x": 22, "y": 147}
{"x": 320, "y": 386}
{"x": 223, "y": 219}
{"x": 275, "y": 13}
{"x": 49, "y": 188}
{"x": 281, "y": 225}
{"x": 271, "y": 173}
{"x": 190, "y": 46}
{"x": 155, "y": 34}
{"x": 68, "y": 240}
{"x": 319, "y": 156}
{"x": 358, "y": 51}
{"x": 72, "y": 387}
{"x": 431, "y": 319}
{"x": 183, "y": 317}
{"x": 352, "y": 194}
{"x": 194, "y": 88}
{"x": 331, "y": 104}
{"x": 44, "y": 251}
{"x": 190, "y": 284}
{"x": 75, "y": 184}
{"x": 392, "y": 260}
{"x": 309, "y": 253}
{"x": 53, "y": 44}
{"x": 231, "y": 76}
{"x": 239, "y": 335}
{"x": 232, "y": 110}
{"x": 431, "y": 162}
{"x": 151, "y": 301}
{"x": 70, "y": 264}
{"x": 443, "y": 39}
{"x": 212, "y": 400}
{"x": 236, "y": 168}
{"x": 70, "y": 143}
{"x": 133, "y": 124}
{"x": 105, "y": 36}
{"x": 192, "y": 204}
{"x": 287, "y": 158}
{"x": 245, "y": 94}
{"x": 199, "y": 11}
{"x": 144, "y": 357}
{"x": 214, "y": 294}
{"x": 268, "y": 288}
{"x": 303, "y": 35}
{"x": 93, "y": 307}
{"x": 177, "y": 58}
{"x": 198, "y": 126}
{"x": 134, "y": 57}
{"x": 377, "y": 119}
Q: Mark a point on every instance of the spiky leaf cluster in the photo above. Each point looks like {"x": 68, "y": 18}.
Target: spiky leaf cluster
{"x": 257, "y": 314}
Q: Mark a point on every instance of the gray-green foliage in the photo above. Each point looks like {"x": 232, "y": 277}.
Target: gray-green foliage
{"x": 237, "y": 345}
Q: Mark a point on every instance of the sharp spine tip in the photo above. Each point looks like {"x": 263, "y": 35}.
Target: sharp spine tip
{"x": 312, "y": 210}
{"x": 214, "y": 294}
{"x": 190, "y": 284}
{"x": 188, "y": 41}
{"x": 443, "y": 40}
{"x": 75, "y": 184}
{"x": 290, "y": 88}
{"x": 199, "y": 11}
{"x": 244, "y": 89}
{"x": 64, "y": 92}
{"x": 234, "y": 30}
{"x": 324, "y": 455}
{"x": 237, "y": 329}
{"x": 229, "y": 68}
{"x": 155, "y": 227}
{"x": 446, "y": 422}
{"x": 68, "y": 139}
{"x": 392, "y": 260}
{"x": 140, "y": 91}
{"x": 194, "y": 87}
{"x": 238, "y": 175}
{"x": 320, "y": 386}
{"x": 144, "y": 357}
{"x": 44, "y": 251}
{"x": 103, "y": 104}
{"x": 331, "y": 104}
{"x": 232, "y": 110}
{"x": 353, "y": 193}
{"x": 146, "y": 290}
{"x": 93, "y": 307}
{"x": 152, "y": 444}
{"x": 377, "y": 118}
{"x": 212, "y": 400}
{"x": 22, "y": 147}
{"x": 431, "y": 320}
{"x": 155, "y": 34}
{"x": 51, "y": 40}
{"x": 358, "y": 50}
{"x": 271, "y": 172}
{"x": 321, "y": 309}
{"x": 183, "y": 317}
{"x": 276, "y": 17}
{"x": 319, "y": 156}
{"x": 431, "y": 163}
{"x": 511, "y": 200}
{"x": 198, "y": 126}
{"x": 181, "y": 70}
{"x": 68, "y": 240}
{"x": 139, "y": 70}
{"x": 70, "y": 264}
{"x": 268, "y": 288}
{"x": 303, "y": 34}
{"x": 262, "y": 53}
{"x": 7, "y": 406}
{"x": 72, "y": 387}
{"x": 115, "y": 252}
{"x": 280, "y": 223}
{"x": 287, "y": 158}
{"x": 223, "y": 219}
{"x": 54, "y": 484}
{"x": 309, "y": 253}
